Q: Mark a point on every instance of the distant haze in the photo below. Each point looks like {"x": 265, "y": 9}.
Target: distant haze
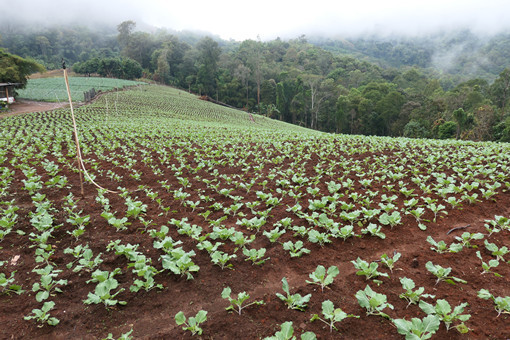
{"x": 239, "y": 20}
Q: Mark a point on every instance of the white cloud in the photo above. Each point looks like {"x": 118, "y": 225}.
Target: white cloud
{"x": 272, "y": 18}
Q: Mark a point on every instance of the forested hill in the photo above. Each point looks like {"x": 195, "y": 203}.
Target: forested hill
{"x": 437, "y": 86}
{"x": 462, "y": 54}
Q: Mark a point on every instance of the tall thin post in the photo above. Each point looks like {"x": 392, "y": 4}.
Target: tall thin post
{"x": 78, "y": 152}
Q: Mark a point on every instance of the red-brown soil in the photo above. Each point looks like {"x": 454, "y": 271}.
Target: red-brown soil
{"x": 151, "y": 314}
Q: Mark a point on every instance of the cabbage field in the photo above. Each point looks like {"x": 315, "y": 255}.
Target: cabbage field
{"x": 209, "y": 224}
{"x": 54, "y": 89}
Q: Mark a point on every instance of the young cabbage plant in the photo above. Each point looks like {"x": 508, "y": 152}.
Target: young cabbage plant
{"x": 286, "y": 332}
{"x": 391, "y": 220}
{"x": 412, "y": 296}
{"x": 496, "y": 251}
{"x": 256, "y": 256}
{"x": 373, "y": 302}
{"x": 332, "y": 315}
{"x": 417, "y": 329}
{"x": 444, "y": 311}
{"x": 191, "y": 324}
{"x": 373, "y": 230}
{"x": 43, "y": 316}
{"x": 502, "y": 304}
{"x": 487, "y": 267}
{"x": 8, "y": 286}
{"x": 221, "y": 259}
{"x": 295, "y": 249}
{"x": 321, "y": 277}
{"x": 293, "y": 301}
{"x": 467, "y": 237}
{"x": 47, "y": 284}
{"x": 237, "y": 304}
{"x": 369, "y": 270}
{"x": 390, "y": 261}
{"x": 443, "y": 274}
{"x": 179, "y": 262}
{"x": 103, "y": 293}
{"x": 274, "y": 234}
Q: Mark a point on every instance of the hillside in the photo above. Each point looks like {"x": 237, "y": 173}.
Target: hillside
{"x": 203, "y": 209}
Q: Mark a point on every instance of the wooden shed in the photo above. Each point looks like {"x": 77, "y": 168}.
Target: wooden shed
{"x": 7, "y": 92}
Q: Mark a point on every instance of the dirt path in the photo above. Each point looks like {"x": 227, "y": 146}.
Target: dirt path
{"x": 26, "y": 106}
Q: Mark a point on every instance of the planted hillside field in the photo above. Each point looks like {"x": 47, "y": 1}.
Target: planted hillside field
{"x": 216, "y": 225}
{"x": 54, "y": 90}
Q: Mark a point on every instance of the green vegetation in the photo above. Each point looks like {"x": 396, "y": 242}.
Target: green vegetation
{"x": 201, "y": 189}
{"x": 451, "y": 85}
{"x": 53, "y": 89}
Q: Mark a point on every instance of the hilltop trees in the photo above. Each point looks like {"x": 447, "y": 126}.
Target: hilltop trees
{"x": 294, "y": 81}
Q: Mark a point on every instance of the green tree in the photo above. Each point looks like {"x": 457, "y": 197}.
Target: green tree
{"x": 447, "y": 130}
{"x": 208, "y": 56}
{"x": 15, "y": 69}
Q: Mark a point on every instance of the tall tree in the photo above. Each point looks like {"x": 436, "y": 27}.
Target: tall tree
{"x": 208, "y": 56}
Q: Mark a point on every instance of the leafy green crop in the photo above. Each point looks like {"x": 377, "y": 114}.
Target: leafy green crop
{"x": 323, "y": 278}
{"x": 191, "y": 324}
{"x": 293, "y": 301}
{"x": 237, "y": 304}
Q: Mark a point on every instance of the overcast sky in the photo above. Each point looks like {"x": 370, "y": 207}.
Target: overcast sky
{"x": 239, "y": 20}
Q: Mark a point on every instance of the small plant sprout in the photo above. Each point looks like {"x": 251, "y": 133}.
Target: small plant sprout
{"x": 412, "y": 296}
{"x": 295, "y": 249}
{"x": 256, "y": 256}
{"x": 293, "y": 301}
{"x": 442, "y": 274}
{"x": 502, "y": 304}
{"x": 191, "y": 324}
{"x": 467, "y": 237}
{"x": 332, "y": 315}
{"x": 106, "y": 284}
{"x": 444, "y": 311}
{"x": 237, "y": 304}
{"x": 487, "y": 267}
{"x": 373, "y": 302}
{"x": 369, "y": 270}
{"x": 323, "y": 278}
{"x": 286, "y": 332}
{"x": 391, "y": 220}
{"x": 8, "y": 286}
{"x": 373, "y": 230}
{"x": 43, "y": 316}
{"x": 417, "y": 329}
{"x": 390, "y": 261}
{"x": 274, "y": 234}
{"x": 495, "y": 251}
{"x": 221, "y": 259}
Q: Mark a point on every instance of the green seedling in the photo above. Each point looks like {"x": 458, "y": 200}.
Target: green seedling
{"x": 293, "y": 301}
{"x": 332, "y": 315}
{"x": 418, "y": 329}
{"x": 321, "y": 277}
{"x": 43, "y": 316}
{"x": 191, "y": 324}
{"x": 237, "y": 304}
{"x": 442, "y": 274}
{"x": 412, "y": 296}
{"x": 444, "y": 311}
{"x": 373, "y": 302}
{"x": 502, "y": 304}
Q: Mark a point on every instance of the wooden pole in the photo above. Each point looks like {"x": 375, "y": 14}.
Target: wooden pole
{"x": 78, "y": 151}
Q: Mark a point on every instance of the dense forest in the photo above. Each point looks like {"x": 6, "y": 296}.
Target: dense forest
{"x": 450, "y": 85}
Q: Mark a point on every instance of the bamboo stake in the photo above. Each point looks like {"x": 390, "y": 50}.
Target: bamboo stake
{"x": 77, "y": 142}
{"x": 76, "y": 139}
